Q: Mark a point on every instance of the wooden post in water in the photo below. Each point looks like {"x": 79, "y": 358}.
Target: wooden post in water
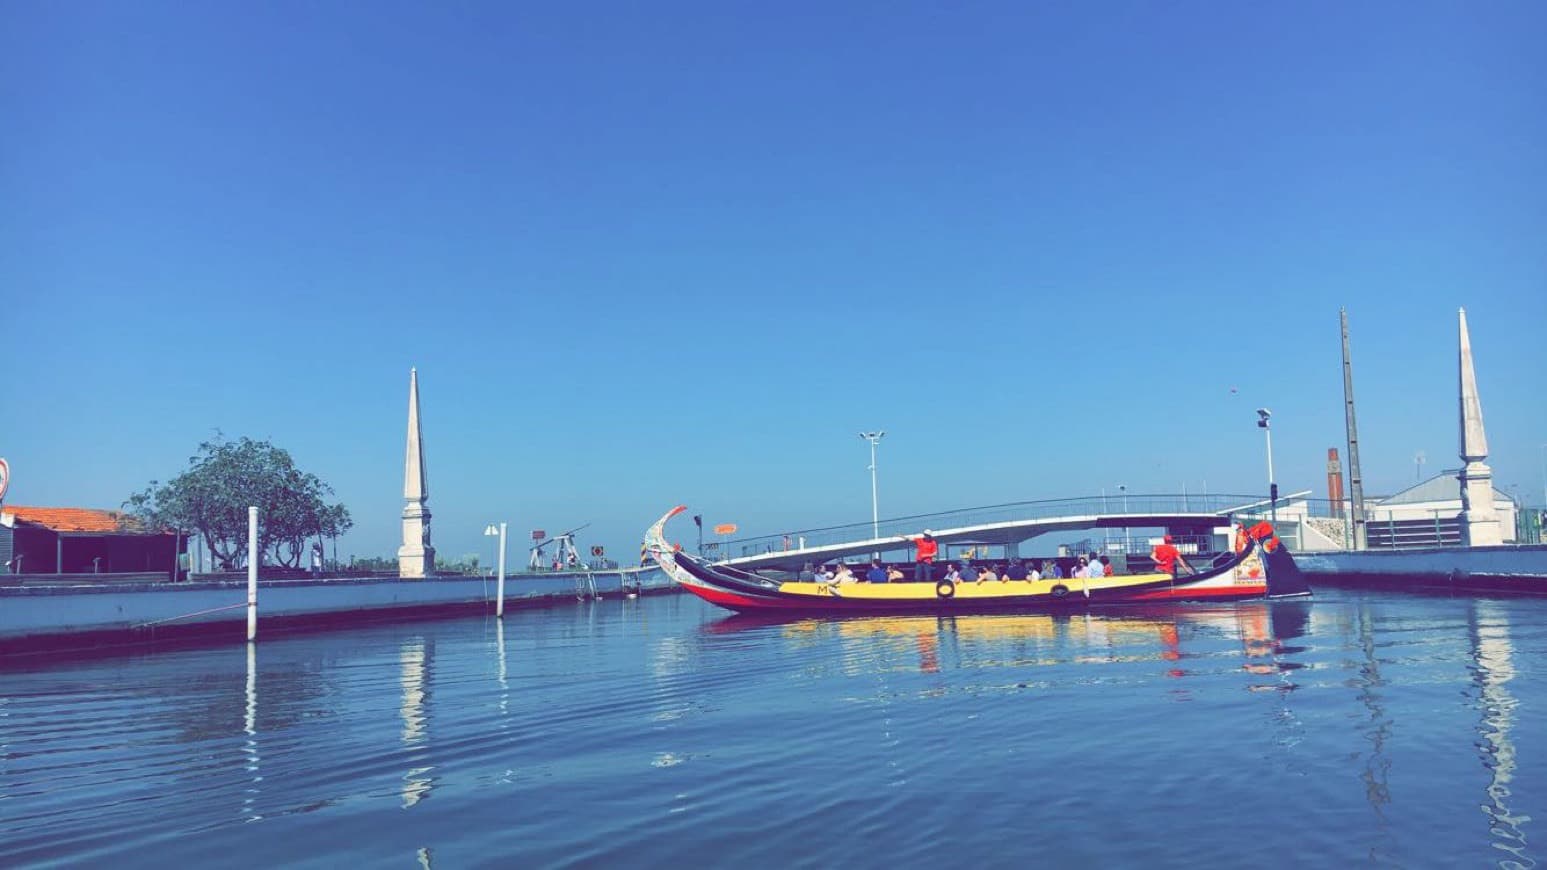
{"x": 252, "y": 574}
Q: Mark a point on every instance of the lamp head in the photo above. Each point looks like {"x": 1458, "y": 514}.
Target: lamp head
{"x": 1262, "y": 417}
{"x": 491, "y": 529}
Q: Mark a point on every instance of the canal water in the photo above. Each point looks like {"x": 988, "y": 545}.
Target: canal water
{"x": 1354, "y": 729}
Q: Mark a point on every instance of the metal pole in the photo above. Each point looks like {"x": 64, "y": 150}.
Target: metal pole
{"x": 1126, "y": 545}
{"x": 499, "y": 594}
{"x": 1544, "y": 475}
{"x": 1272, "y": 485}
{"x": 875, "y": 505}
{"x": 1355, "y": 480}
{"x": 875, "y": 511}
{"x": 252, "y": 574}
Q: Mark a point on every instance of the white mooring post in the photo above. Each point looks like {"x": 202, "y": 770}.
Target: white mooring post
{"x": 252, "y": 574}
{"x": 499, "y": 605}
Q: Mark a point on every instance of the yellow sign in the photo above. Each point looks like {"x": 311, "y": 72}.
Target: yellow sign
{"x": 725, "y": 529}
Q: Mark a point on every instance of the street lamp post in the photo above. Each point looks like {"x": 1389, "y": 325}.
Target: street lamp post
{"x": 875, "y": 510}
{"x": 1123, "y": 488}
{"x": 1544, "y": 476}
{"x": 1263, "y": 415}
{"x": 499, "y": 589}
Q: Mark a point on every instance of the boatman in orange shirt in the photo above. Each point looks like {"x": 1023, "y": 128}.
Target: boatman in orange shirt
{"x": 923, "y": 563}
{"x": 1167, "y": 557}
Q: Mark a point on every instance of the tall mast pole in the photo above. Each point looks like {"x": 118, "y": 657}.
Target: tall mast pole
{"x": 1355, "y": 479}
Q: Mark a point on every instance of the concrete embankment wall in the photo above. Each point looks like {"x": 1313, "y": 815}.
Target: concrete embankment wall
{"x": 66, "y": 615}
{"x": 1507, "y": 569}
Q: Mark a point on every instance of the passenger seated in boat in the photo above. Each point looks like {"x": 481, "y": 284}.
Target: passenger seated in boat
{"x": 1056, "y": 572}
{"x": 952, "y": 574}
{"x": 894, "y": 575}
{"x": 807, "y": 573}
{"x": 988, "y": 574}
{"x": 1106, "y": 567}
{"x": 876, "y": 574}
{"x": 1016, "y": 570}
{"x": 1036, "y": 571}
{"x": 969, "y": 574}
{"x": 844, "y": 575}
{"x": 824, "y": 574}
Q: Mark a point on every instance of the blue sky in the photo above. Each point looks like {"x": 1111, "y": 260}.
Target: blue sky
{"x": 652, "y": 253}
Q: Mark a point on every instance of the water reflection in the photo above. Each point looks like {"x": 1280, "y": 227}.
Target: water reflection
{"x": 250, "y": 745}
{"x": 1377, "y": 725}
{"x": 1493, "y": 667}
{"x": 502, "y": 673}
{"x": 988, "y": 640}
{"x": 415, "y": 658}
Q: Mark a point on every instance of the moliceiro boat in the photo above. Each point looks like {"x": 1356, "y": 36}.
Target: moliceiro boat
{"x": 1262, "y": 568}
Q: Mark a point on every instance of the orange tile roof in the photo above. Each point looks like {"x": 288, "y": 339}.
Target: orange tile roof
{"x": 76, "y": 519}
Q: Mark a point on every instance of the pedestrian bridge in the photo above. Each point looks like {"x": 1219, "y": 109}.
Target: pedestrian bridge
{"x": 1006, "y": 525}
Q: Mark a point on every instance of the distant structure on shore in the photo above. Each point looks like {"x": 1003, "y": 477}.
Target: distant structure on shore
{"x": 416, "y": 558}
{"x": 1479, "y": 522}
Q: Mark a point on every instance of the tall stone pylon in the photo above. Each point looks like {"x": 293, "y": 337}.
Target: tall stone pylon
{"x": 416, "y": 557}
{"x": 1479, "y": 523}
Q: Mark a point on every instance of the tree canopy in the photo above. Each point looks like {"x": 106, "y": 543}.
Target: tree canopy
{"x": 222, "y": 480}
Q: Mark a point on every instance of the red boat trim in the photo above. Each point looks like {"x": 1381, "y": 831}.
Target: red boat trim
{"x": 1203, "y": 592}
{"x": 739, "y": 602}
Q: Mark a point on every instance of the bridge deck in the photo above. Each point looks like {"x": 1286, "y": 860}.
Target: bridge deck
{"x": 1008, "y": 524}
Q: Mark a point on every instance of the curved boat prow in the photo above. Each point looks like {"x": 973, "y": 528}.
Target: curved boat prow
{"x": 1284, "y": 577}
{"x": 1285, "y": 580}
{"x": 664, "y": 553}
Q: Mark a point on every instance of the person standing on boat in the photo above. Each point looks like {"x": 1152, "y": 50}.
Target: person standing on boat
{"x": 928, "y": 548}
{"x": 1167, "y": 557}
{"x": 876, "y": 574}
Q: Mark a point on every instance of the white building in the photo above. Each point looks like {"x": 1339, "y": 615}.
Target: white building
{"x": 1429, "y": 513}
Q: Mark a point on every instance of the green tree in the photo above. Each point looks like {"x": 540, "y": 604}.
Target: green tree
{"x": 222, "y": 480}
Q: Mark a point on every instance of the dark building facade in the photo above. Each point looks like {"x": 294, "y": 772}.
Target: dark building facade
{"x": 40, "y": 540}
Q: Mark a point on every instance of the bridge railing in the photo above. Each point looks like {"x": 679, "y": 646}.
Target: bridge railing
{"x": 1113, "y": 504}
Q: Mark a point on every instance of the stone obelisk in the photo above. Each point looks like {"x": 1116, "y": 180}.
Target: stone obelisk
{"x": 416, "y": 557}
{"x": 1479, "y": 523}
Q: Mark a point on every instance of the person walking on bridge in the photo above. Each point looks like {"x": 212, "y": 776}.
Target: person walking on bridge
{"x": 928, "y": 548}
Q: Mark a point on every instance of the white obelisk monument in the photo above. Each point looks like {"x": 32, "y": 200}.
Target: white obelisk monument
{"x": 416, "y": 557}
{"x": 1479, "y": 523}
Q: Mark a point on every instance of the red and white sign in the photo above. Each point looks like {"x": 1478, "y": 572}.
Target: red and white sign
{"x": 538, "y": 534}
